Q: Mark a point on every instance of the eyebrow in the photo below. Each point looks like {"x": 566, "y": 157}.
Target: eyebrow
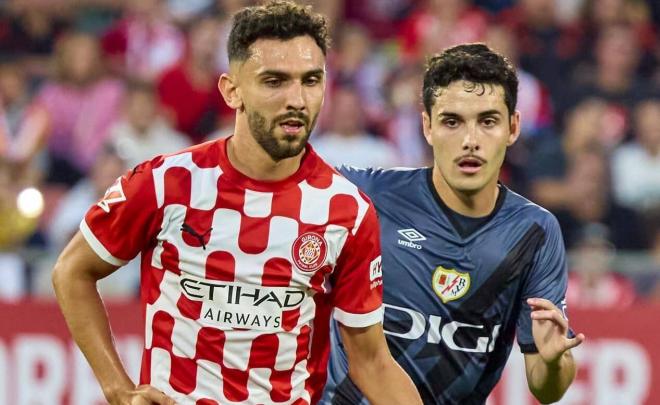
{"x": 282, "y": 74}
{"x": 450, "y": 114}
{"x": 489, "y": 112}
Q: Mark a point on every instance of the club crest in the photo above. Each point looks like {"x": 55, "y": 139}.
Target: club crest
{"x": 450, "y": 284}
{"x": 309, "y": 251}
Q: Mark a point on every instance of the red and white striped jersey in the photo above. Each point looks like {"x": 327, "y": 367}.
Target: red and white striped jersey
{"x": 239, "y": 276}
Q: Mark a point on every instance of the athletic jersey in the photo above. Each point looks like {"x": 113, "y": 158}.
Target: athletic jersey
{"x": 454, "y": 299}
{"x": 239, "y": 277}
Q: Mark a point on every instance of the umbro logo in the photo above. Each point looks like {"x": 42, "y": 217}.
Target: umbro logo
{"x": 411, "y": 235}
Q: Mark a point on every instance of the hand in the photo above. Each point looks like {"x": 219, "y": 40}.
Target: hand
{"x": 141, "y": 395}
{"x": 550, "y": 328}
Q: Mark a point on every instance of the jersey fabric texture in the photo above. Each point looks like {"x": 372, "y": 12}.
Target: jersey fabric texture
{"x": 239, "y": 277}
{"x": 454, "y": 298}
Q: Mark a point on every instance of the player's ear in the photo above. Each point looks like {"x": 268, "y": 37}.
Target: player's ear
{"x": 426, "y": 127}
{"x": 514, "y": 128}
{"x": 229, "y": 90}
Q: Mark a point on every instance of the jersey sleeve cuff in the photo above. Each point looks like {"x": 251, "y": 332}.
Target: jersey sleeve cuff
{"x": 528, "y": 348}
{"x": 359, "y": 320}
{"x": 98, "y": 247}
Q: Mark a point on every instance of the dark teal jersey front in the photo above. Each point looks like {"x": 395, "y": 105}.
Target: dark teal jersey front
{"x": 454, "y": 288}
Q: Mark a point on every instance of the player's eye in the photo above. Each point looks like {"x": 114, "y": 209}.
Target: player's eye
{"x": 489, "y": 122}
{"x": 312, "y": 81}
{"x": 450, "y": 122}
{"x": 273, "y": 82}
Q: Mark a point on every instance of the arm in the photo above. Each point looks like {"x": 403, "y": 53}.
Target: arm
{"x": 550, "y": 371}
{"x": 31, "y": 136}
{"x": 74, "y": 278}
{"x": 373, "y": 369}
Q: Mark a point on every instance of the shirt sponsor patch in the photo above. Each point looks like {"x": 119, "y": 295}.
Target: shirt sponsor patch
{"x": 375, "y": 269}
{"x": 229, "y": 305}
{"x": 114, "y": 194}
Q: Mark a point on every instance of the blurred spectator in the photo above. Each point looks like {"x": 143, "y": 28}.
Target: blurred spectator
{"x": 74, "y": 204}
{"x": 17, "y": 224}
{"x": 381, "y": 18}
{"x": 534, "y": 101}
{"x": 144, "y": 43}
{"x": 548, "y": 48}
{"x": 189, "y": 90}
{"x": 347, "y": 141}
{"x": 636, "y": 165}
{"x": 69, "y": 213}
{"x": 587, "y": 128}
{"x": 30, "y": 33}
{"x": 592, "y": 281}
{"x": 654, "y": 255}
{"x": 354, "y": 63}
{"x": 142, "y": 133}
{"x": 438, "y": 24}
{"x": 19, "y": 121}
{"x": 82, "y": 103}
{"x": 589, "y": 202}
{"x": 599, "y": 14}
{"x": 405, "y": 124}
{"x": 613, "y": 77}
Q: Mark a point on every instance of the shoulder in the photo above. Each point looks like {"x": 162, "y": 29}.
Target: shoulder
{"x": 373, "y": 180}
{"x": 330, "y": 178}
{"x": 199, "y": 156}
{"x": 524, "y": 209}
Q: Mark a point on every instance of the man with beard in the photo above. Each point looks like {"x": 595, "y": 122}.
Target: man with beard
{"x": 248, "y": 245}
{"x": 467, "y": 263}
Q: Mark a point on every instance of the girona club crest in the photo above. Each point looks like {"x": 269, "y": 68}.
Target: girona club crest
{"x": 114, "y": 194}
{"x": 309, "y": 251}
{"x": 450, "y": 284}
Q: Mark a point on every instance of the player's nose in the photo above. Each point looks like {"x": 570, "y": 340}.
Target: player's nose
{"x": 295, "y": 97}
{"x": 470, "y": 141}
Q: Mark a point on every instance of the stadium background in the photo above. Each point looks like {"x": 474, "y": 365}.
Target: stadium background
{"x": 89, "y": 88}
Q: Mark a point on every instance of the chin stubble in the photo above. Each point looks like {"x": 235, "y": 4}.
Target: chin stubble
{"x": 265, "y": 137}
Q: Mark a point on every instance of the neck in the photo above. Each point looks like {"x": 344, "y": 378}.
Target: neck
{"x": 478, "y": 204}
{"x": 249, "y": 158}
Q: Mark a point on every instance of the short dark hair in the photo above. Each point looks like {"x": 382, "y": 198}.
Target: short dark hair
{"x": 475, "y": 63}
{"x": 281, "y": 20}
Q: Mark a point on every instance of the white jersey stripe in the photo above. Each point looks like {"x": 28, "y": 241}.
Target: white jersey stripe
{"x": 359, "y": 320}
{"x": 98, "y": 247}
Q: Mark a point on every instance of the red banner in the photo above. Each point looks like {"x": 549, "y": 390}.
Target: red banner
{"x": 39, "y": 364}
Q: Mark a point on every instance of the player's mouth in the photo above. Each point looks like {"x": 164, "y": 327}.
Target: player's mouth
{"x": 292, "y": 126}
{"x": 470, "y": 164}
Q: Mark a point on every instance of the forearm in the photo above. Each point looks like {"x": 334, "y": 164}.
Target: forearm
{"x": 87, "y": 320}
{"x": 384, "y": 382}
{"x": 549, "y": 382}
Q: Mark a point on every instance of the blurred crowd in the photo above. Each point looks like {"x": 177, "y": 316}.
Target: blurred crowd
{"x": 90, "y": 88}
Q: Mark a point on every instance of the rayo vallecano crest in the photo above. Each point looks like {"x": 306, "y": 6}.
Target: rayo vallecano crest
{"x": 450, "y": 285}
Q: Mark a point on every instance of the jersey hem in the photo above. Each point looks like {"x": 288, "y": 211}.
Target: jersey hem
{"x": 359, "y": 320}
{"x": 98, "y": 247}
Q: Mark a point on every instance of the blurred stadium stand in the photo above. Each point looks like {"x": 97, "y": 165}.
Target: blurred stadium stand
{"x": 90, "y": 87}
